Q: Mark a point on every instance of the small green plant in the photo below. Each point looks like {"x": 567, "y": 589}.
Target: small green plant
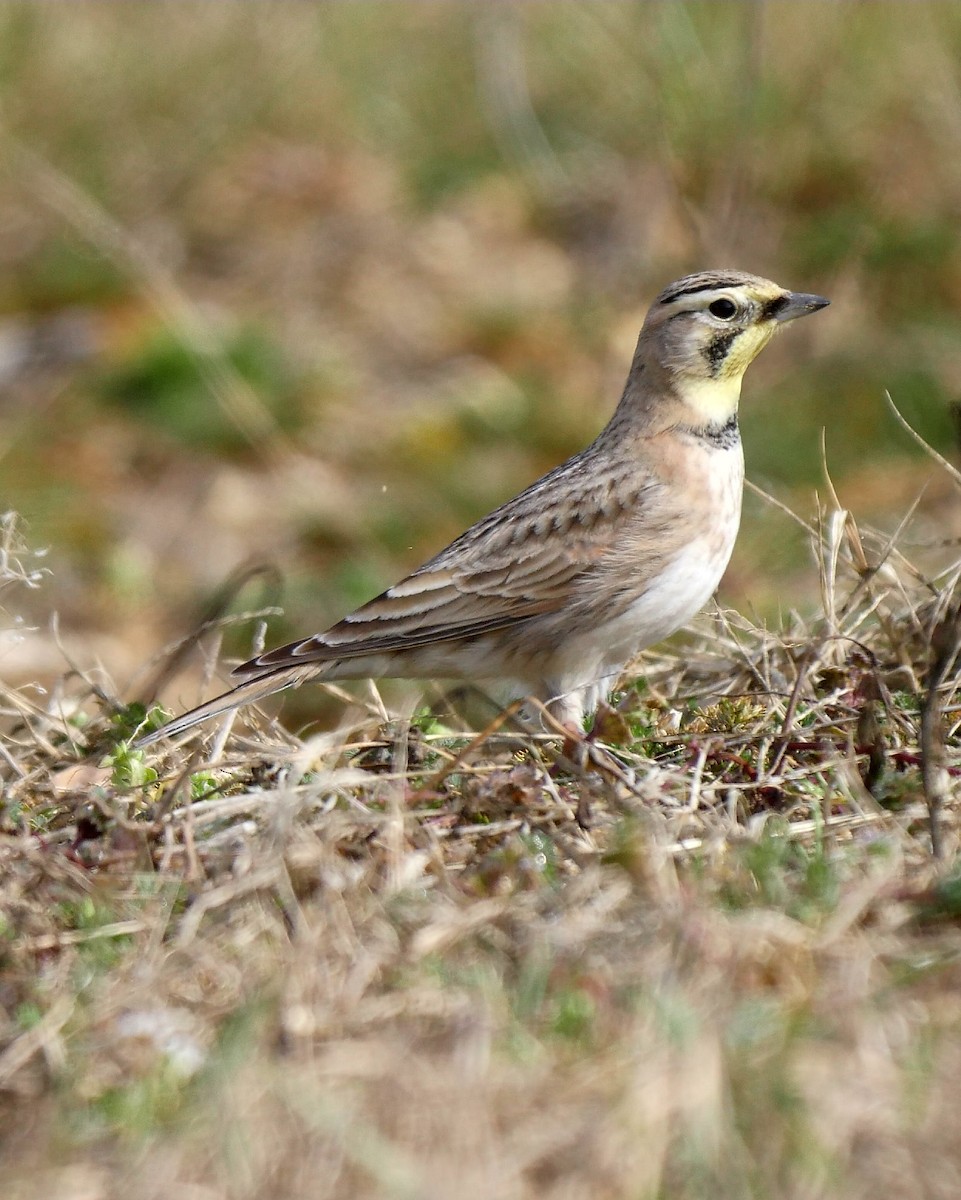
{"x": 136, "y": 720}
{"x": 84, "y": 913}
{"x": 782, "y": 872}
{"x": 141, "y": 1106}
{"x": 129, "y": 768}
{"x": 28, "y": 1015}
{"x": 573, "y": 1014}
{"x": 943, "y": 901}
{"x": 203, "y": 785}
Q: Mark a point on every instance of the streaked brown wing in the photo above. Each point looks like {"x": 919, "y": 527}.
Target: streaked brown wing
{"x": 523, "y": 560}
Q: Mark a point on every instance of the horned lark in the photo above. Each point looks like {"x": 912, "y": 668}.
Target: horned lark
{"x": 556, "y": 590}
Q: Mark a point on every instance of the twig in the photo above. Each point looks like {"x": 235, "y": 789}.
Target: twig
{"x": 19, "y": 1052}
{"x": 952, "y": 471}
{"x": 435, "y": 782}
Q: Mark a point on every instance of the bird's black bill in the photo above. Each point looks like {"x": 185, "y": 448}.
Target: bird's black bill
{"x": 796, "y": 304}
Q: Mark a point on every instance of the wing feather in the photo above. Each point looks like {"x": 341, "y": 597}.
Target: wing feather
{"x": 524, "y": 560}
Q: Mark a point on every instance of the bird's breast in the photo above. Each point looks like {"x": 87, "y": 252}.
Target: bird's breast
{"x": 671, "y": 559}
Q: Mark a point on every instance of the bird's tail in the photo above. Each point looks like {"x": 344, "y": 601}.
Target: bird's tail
{"x": 244, "y": 693}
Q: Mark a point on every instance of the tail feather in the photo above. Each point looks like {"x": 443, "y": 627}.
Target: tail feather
{"x": 245, "y": 693}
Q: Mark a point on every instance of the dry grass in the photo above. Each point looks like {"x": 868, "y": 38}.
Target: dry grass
{"x": 389, "y": 961}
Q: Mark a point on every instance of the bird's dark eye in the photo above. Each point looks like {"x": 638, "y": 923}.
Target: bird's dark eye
{"x": 723, "y": 308}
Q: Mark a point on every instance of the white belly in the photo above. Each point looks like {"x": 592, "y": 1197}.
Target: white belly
{"x": 680, "y": 591}
{"x": 593, "y": 659}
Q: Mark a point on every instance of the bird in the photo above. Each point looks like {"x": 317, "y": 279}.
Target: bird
{"x": 554, "y": 592}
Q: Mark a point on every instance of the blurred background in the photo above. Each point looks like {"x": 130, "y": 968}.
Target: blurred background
{"x": 316, "y": 287}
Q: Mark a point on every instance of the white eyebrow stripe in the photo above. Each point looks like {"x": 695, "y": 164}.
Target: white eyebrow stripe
{"x": 682, "y": 303}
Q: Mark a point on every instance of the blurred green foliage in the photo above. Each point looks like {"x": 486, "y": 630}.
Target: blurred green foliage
{"x": 164, "y": 381}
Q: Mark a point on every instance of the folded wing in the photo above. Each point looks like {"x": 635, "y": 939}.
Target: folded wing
{"x": 525, "y": 560}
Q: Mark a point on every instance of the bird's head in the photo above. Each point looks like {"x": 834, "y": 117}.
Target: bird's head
{"x": 703, "y": 332}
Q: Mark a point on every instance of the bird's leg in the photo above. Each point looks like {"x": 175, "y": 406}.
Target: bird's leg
{"x": 574, "y": 756}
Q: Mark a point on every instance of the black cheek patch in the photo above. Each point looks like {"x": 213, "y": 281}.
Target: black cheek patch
{"x": 716, "y": 351}
{"x": 773, "y": 307}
